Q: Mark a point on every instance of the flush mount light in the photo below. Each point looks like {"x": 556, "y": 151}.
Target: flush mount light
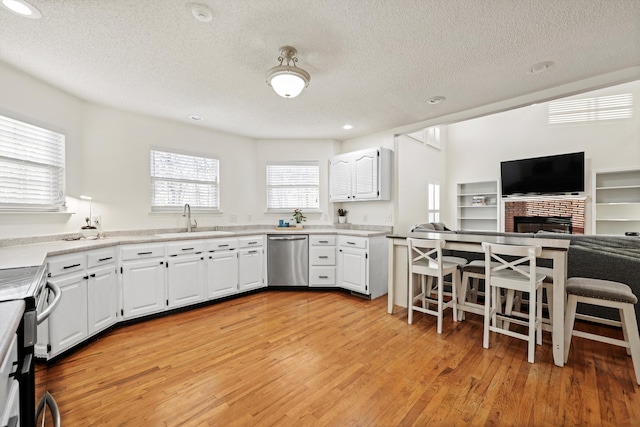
{"x": 201, "y": 13}
{"x": 540, "y": 67}
{"x": 436, "y": 100}
{"x": 347, "y": 127}
{"x": 288, "y": 80}
{"x": 195, "y": 117}
{"x": 22, "y": 8}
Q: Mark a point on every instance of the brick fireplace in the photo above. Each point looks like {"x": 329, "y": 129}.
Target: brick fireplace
{"x": 551, "y": 207}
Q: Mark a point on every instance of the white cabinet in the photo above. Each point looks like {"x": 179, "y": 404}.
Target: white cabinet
{"x": 222, "y": 267}
{"x": 360, "y": 175}
{"x": 322, "y": 261}
{"x": 616, "y": 201}
{"x": 251, "y": 263}
{"x": 9, "y": 383}
{"x": 186, "y": 273}
{"x": 68, "y": 322}
{"x": 478, "y": 205}
{"x": 143, "y": 280}
{"x": 362, "y": 264}
{"x": 102, "y": 298}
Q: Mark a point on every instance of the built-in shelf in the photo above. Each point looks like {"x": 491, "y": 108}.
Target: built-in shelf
{"x": 616, "y": 201}
{"x": 477, "y": 206}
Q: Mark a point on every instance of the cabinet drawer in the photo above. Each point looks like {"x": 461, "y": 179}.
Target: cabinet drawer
{"x": 322, "y": 240}
{"x": 101, "y": 257}
{"x": 221, "y": 245}
{"x": 322, "y": 276}
{"x": 188, "y": 247}
{"x": 353, "y": 242}
{"x": 142, "y": 251}
{"x": 322, "y": 256}
{"x": 8, "y": 366}
{"x": 66, "y": 264}
{"x": 249, "y": 242}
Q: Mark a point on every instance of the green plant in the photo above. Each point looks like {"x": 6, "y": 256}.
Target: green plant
{"x": 342, "y": 212}
{"x": 297, "y": 215}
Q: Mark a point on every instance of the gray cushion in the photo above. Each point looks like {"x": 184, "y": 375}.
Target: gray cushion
{"x": 602, "y": 289}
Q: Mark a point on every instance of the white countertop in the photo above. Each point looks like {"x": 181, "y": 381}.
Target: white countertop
{"x": 36, "y": 253}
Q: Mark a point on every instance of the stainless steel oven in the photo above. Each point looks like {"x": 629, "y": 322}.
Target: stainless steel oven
{"x": 41, "y": 298}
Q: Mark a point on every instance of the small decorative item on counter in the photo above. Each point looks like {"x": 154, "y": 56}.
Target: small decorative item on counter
{"x": 298, "y": 217}
{"x": 88, "y": 231}
{"x": 342, "y": 216}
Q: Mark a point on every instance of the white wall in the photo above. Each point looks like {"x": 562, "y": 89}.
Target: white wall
{"x": 476, "y": 147}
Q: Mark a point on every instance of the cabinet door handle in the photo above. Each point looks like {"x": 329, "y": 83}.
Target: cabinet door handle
{"x": 70, "y": 266}
{"x": 105, "y": 259}
{"x": 252, "y": 243}
{"x": 323, "y": 241}
{"x": 187, "y": 249}
{"x": 223, "y": 246}
{"x": 351, "y": 243}
{"x": 145, "y": 253}
{"x": 92, "y": 275}
{"x": 323, "y": 257}
{"x": 323, "y": 277}
{"x": 252, "y": 252}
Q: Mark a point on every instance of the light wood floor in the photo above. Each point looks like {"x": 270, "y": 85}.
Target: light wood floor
{"x": 332, "y": 359}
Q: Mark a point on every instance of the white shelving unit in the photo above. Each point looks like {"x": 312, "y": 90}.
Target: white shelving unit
{"x": 478, "y": 206}
{"x": 616, "y": 201}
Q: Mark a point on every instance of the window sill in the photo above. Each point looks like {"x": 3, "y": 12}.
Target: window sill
{"x": 37, "y": 213}
{"x": 194, "y": 212}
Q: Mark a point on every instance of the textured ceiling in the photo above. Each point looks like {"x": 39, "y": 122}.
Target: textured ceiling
{"x": 373, "y": 63}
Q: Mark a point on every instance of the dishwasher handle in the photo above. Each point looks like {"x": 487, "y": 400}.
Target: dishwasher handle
{"x": 288, "y": 238}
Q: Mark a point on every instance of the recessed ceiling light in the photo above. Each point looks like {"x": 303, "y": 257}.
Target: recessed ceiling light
{"x": 347, "y": 127}
{"x": 540, "y": 67}
{"x": 195, "y": 117}
{"x": 436, "y": 100}
{"x": 22, "y": 8}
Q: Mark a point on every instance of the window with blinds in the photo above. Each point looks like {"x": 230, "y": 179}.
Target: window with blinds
{"x": 293, "y": 185}
{"x": 430, "y": 136}
{"x": 433, "y": 202}
{"x": 591, "y": 109}
{"x": 31, "y": 167}
{"x": 177, "y": 179}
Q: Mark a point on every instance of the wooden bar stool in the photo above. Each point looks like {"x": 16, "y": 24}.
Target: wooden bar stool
{"x": 603, "y": 293}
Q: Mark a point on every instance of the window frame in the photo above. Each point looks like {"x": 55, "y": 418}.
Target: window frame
{"x": 287, "y": 209}
{"x": 158, "y": 208}
{"x": 433, "y": 201}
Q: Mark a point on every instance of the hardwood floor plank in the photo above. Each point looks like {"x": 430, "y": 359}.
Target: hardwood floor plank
{"x": 317, "y": 358}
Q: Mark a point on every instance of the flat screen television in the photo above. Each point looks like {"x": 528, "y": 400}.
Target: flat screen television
{"x": 559, "y": 174}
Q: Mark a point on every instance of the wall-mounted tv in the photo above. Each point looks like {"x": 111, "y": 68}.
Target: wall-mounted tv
{"x": 559, "y": 174}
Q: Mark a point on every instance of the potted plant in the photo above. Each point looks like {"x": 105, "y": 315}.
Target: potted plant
{"x": 298, "y": 217}
{"x": 342, "y": 216}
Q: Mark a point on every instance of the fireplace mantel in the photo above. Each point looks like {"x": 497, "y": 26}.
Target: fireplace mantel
{"x": 541, "y": 197}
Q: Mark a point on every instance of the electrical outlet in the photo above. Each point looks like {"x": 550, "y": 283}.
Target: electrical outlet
{"x": 96, "y": 220}
{"x": 233, "y": 218}
{"x": 388, "y": 218}
{"x": 364, "y": 218}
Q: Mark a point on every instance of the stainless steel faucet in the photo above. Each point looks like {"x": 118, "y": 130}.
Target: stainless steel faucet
{"x": 187, "y": 212}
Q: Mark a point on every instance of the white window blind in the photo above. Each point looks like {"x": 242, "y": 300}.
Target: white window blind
{"x": 591, "y": 109}
{"x": 430, "y": 136}
{"x": 31, "y": 167}
{"x": 177, "y": 179}
{"x": 293, "y": 185}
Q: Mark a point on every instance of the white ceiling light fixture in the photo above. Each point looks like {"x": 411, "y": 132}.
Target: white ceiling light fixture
{"x": 347, "y": 126}
{"x": 288, "y": 80}
{"x": 436, "y": 100}
{"x": 22, "y": 8}
{"x": 195, "y": 117}
{"x": 540, "y": 67}
{"x": 201, "y": 13}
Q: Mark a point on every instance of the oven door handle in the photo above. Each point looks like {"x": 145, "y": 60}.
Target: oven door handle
{"x": 53, "y": 304}
{"x": 53, "y": 407}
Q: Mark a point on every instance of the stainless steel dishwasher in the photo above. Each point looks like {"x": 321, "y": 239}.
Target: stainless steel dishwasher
{"x": 288, "y": 260}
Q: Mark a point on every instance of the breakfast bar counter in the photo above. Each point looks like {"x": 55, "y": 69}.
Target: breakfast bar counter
{"x": 555, "y": 250}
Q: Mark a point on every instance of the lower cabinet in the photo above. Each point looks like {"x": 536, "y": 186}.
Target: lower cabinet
{"x": 222, "y": 274}
{"x": 102, "y": 298}
{"x": 68, "y": 322}
{"x": 362, "y": 264}
{"x": 185, "y": 274}
{"x": 322, "y": 261}
{"x": 143, "y": 287}
{"x": 251, "y": 272}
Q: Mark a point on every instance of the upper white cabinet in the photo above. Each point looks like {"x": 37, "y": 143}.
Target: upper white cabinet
{"x": 616, "y": 201}
{"x": 360, "y": 175}
{"x": 478, "y": 206}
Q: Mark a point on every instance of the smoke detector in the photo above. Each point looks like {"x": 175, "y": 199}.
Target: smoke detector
{"x": 201, "y": 12}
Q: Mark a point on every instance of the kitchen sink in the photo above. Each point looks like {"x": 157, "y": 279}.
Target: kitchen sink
{"x": 197, "y": 234}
